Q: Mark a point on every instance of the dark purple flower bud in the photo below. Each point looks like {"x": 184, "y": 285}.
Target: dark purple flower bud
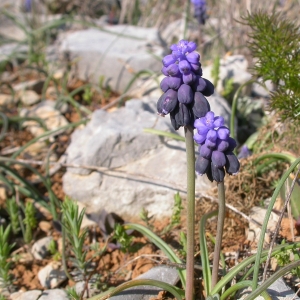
{"x": 202, "y": 165}
{"x": 196, "y": 68}
{"x": 205, "y": 152}
{"x": 209, "y": 88}
{"x": 168, "y": 60}
{"x": 189, "y": 79}
{"x": 210, "y": 144}
{"x": 181, "y": 116}
{"x": 164, "y": 84}
{"x": 184, "y": 67}
{"x": 175, "y": 82}
{"x": 167, "y": 102}
{"x": 218, "y": 159}
{"x": 223, "y": 133}
{"x": 193, "y": 58}
{"x": 185, "y": 94}
{"x": 201, "y": 105}
{"x": 173, "y": 70}
{"x": 222, "y": 145}
{"x": 232, "y": 144}
{"x": 217, "y": 174}
{"x": 199, "y": 84}
{"x": 212, "y": 135}
{"x": 244, "y": 152}
{"x": 232, "y": 165}
{"x": 199, "y": 138}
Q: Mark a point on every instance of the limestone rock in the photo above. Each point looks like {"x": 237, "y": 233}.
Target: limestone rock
{"x": 54, "y": 294}
{"x": 115, "y": 53}
{"x": 7, "y": 100}
{"x": 28, "y": 97}
{"x": 40, "y": 248}
{"x": 29, "y": 295}
{"x": 51, "y": 275}
{"x": 52, "y": 118}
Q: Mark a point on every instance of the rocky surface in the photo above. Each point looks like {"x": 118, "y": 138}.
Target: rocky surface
{"x": 114, "y": 54}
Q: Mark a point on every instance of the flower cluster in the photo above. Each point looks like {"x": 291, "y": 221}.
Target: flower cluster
{"x": 215, "y": 148}
{"x": 200, "y": 10}
{"x": 184, "y": 88}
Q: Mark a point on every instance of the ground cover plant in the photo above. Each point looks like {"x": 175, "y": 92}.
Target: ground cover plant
{"x": 34, "y": 197}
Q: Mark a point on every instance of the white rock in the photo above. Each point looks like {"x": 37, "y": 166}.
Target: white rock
{"x": 51, "y": 275}
{"x": 7, "y": 100}
{"x": 40, "y": 248}
{"x": 29, "y": 97}
{"x": 115, "y": 53}
{"x": 51, "y": 117}
{"x": 33, "y": 85}
{"x": 29, "y": 295}
{"x": 54, "y": 294}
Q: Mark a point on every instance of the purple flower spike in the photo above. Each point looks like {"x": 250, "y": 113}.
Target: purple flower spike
{"x": 185, "y": 94}
{"x": 215, "y": 145}
{"x": 183, "y": 73}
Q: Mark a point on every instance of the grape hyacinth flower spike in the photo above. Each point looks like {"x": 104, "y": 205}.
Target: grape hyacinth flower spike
{"x": 200, "y": 11}
{"x": 184, "y": 88}
{"x": 215, "y": 148}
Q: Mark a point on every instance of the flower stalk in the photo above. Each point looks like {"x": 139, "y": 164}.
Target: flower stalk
{"x": 220, "y": 226}
{"x": 190, "y": 155}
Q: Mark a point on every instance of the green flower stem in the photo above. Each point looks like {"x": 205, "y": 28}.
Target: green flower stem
{"x": 264, "y": 226}
{"x": 218, "y": 244}
{"x": 190, "y": 155}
